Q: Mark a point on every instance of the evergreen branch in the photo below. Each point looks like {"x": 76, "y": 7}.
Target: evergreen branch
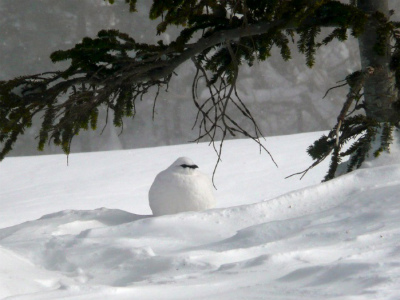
{"x": 102, "y": 72}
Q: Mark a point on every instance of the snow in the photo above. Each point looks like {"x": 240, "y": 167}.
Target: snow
{"x": 84, "y": 231}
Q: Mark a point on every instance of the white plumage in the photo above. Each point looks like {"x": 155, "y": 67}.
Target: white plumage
{"x": 181, "y": 187}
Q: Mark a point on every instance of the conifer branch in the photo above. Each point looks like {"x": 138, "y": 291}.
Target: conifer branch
{"x": 339, "y": 135}
{"x": 113, "y": 70}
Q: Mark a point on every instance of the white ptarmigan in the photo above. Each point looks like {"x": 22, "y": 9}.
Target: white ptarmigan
{"x": 181, "y": 187}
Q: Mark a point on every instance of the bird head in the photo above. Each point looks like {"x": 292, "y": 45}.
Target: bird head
{"x": 183, "y": 164}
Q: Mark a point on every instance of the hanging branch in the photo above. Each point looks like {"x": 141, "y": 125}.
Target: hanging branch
{"x": 215, "y": 114}
{"x": 347, "y": 127}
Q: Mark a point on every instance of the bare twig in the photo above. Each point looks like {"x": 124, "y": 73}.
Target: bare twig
{"x": 335, "y": 87}
{"x": 214, "y": 117}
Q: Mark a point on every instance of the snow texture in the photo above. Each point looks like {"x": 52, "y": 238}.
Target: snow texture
{"x": 179, "y": 188}
{"x": 268, "y": 238}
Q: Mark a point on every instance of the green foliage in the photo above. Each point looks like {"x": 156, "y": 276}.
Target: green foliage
{"x": 112, "y": 70}
{"x": 341, "y": 16}
{"x": 332, "y": 12}
{"x": 360, "y": 149}
{"x": 101, "y": 56}
{"x": 386, "y": 139}
{"x": 337, "y": 33}
{"x": 361, "y": 132}
{"x": 70, "y": 100}
{"x": 383, "y": 30}
{"x": 334, "y": 163}
{"x": 307, "y": 44}
{"x": 321, "y": 148}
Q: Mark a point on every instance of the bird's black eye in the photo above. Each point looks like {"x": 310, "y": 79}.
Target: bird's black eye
{"x": 189, "y": 166}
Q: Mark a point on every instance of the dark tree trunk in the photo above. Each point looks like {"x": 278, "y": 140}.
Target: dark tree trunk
{"x": 379, "y": 91}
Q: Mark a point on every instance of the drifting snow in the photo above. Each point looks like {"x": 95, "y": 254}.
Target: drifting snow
{"x": 335, "y": 240}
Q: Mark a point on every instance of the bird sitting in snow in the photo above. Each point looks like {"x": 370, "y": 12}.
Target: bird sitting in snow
{"x": 181, "y": 187}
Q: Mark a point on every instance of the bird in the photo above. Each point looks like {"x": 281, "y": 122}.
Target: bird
{"x": 180, "y": 188}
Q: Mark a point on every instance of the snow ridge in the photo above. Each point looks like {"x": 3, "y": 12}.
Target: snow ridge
{"x": 335, "y": 240}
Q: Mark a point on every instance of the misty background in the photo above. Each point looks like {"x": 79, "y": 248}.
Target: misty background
{"x": 284, "y": 97}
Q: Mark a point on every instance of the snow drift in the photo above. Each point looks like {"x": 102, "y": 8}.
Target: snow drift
{"x": 334, "y": 240}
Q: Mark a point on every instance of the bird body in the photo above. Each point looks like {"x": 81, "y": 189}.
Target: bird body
{"x": 179, "y": 188}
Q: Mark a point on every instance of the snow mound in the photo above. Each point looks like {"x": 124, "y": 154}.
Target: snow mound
{"x": 337, "y": 238}
{"x": 16, "y": 275}
{"x": 334, "y": 240}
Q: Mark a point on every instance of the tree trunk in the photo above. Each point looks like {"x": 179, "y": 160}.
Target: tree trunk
{"x": 379, "y": 90}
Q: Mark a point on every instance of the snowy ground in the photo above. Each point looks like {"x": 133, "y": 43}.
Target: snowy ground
{"x": 83, "y": 231}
